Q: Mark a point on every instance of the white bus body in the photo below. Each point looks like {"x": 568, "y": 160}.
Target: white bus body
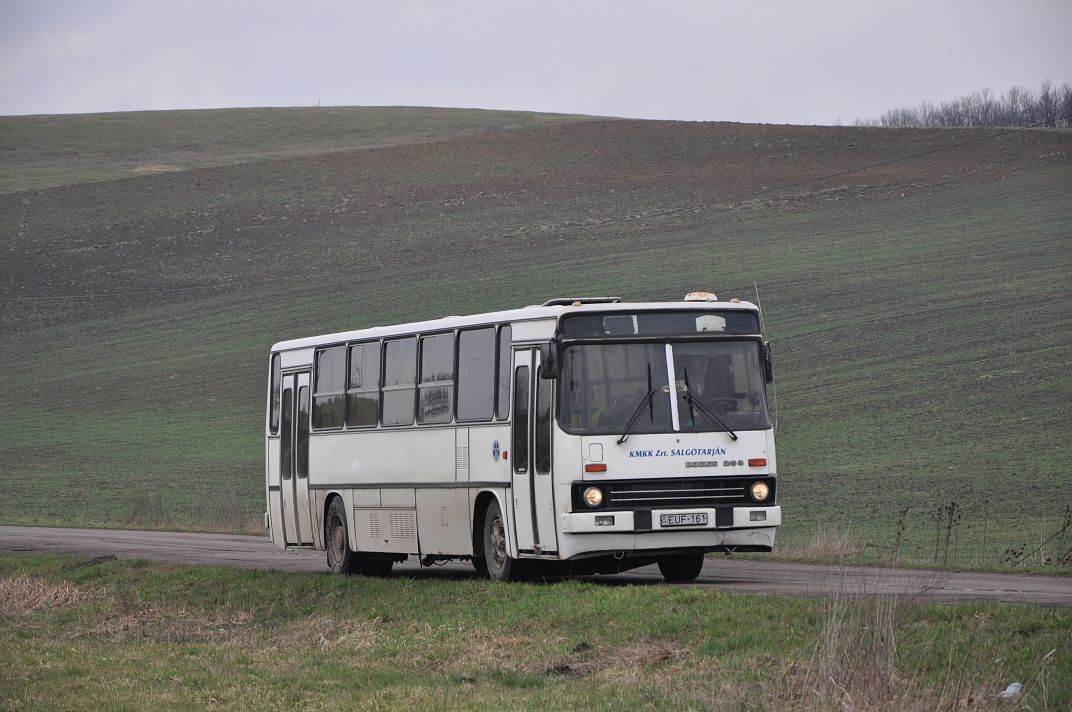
{"x": 583, "y": 436}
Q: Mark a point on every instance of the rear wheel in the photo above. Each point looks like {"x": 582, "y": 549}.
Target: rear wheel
{"x": 341, "y": 559}
{"x": 497, "y": 562}
{"x": 681, "y": 567}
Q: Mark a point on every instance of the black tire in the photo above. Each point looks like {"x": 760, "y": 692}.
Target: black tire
{"x": 375, "y": 567}
{"x": 681, "y": 567}
{"x": 479, "y": 561}
{"x": 341, "y": 558}
{"x": 497, "y": 563}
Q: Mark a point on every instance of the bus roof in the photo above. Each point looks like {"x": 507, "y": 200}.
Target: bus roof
{"x": 529, "y": 313}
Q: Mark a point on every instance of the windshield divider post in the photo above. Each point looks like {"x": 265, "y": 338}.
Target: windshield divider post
{"x": 675, "y": 418}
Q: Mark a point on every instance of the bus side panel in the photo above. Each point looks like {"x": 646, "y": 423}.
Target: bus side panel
{"x": 489, "y": 462}
{"x": 275, "y": 497}
{"x": 502, "y": 496}
{"x": 357, "y": 458}
{"x": 443, "y": 521}
{"x": 568, "y": 468}
{"x": 772, "y": 458}
{"x": 489, "y": 454}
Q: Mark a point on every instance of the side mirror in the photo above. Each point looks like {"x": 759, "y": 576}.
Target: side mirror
{"x": 768, "y": 363}
{"x": 548, "y": 361}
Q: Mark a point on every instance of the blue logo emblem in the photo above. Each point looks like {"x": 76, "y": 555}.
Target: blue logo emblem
{"x": 495, "y": 451}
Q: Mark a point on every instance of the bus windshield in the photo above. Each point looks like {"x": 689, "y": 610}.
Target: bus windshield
{"x": 602, "y": 385}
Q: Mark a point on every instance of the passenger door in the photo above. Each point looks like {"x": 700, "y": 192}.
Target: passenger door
{"x": 294, "y": 459}
{"x": 534, "y": 521}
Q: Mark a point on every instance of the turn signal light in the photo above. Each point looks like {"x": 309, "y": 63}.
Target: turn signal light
{"x": 757, "y": 462}
{"x": 596, "y": 467}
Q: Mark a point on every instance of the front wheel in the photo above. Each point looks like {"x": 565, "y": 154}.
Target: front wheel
{"x": 681, "y": 567}
{"x": 497, "y": 562}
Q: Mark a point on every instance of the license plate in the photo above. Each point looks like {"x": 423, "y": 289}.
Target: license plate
{"x": 695, "y": 519}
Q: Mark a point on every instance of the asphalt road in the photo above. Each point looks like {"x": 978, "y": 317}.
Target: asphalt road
{"x": 725, "y": 573}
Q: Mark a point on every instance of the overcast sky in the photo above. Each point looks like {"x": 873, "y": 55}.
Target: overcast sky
{"x": 770, "y": 61}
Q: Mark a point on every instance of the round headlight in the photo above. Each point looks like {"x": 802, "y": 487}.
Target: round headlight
{"x": 593, "y": 496}
{"x": 760, "y": 491}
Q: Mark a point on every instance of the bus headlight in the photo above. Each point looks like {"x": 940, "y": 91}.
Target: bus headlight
{"x": 593, "y": 496}
{"x": 760, "y": 491}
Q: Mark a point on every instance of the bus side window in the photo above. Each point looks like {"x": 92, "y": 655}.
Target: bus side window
{"x": 363, "y": 386}
{"x": 476, "y": 374}
{"x": 436, "y": 388}
{"x": 399, "y": 374}
{"x": 502, "y": 405}
{"x": 273, "y": 408}
{"x": 286, "y": 437}
{"x": 329, "y": 387}
{"x": 542, "y": 445}
{"x": 521, "y": 420}
{"x": 302, "y": 446}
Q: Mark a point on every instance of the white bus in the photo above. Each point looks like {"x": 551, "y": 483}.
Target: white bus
{"x": 580, "y": 436}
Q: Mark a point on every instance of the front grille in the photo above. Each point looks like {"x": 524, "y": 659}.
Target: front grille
{"x": 677, "y": 493}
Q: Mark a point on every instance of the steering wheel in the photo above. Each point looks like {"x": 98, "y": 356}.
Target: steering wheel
{"x": 625, "y": 405}
{"x": 724, "y": 405}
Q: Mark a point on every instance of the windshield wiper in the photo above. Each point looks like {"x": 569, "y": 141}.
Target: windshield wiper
{"x": 704, "y": 410}
{"x": 649, "y": 400}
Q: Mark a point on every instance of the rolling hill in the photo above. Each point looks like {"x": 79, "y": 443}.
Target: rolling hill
{"x": 920, "y": 310}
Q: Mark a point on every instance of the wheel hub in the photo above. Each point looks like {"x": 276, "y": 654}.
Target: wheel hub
{"x": 498, "y": 542}
{"x": 336, "y": 538}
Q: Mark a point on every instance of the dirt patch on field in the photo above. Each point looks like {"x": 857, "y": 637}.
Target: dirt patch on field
{"x": 147, "y": 168}
{"x": 166, "y": 625}
{"x": 483, "y": 650}
{"x": 622, "y": 663}
{"x": 25, "y": 594}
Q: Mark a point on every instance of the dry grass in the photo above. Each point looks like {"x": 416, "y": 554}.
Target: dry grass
{"x": 626, "y": 665}
{"x": 25, "y": 594}
{"x": 147, "y": 510}
{"x": 478, "y": 650}
{"x": 351, "y": 636}
{"x": 226, "y": 514}
{"x": 825, "y": 544}
{"x": 179, "y": 625}
{"x": 854, "y": 668}
{"x": 853, "y": 660}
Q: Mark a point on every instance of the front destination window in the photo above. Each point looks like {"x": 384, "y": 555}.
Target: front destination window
{"x": 604, "y": 387}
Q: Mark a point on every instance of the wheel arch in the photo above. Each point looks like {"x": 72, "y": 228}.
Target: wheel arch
{"x": 480, "y": 507}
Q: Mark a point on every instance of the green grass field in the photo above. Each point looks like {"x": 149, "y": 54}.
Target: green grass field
{"x": 919, "y": 312}
{"x": 133, "y": 635}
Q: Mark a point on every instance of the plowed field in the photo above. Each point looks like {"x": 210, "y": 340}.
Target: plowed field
{"x": 920, "y": 310}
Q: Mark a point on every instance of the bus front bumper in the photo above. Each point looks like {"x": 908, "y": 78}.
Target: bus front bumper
{"x": 671, "y": 520}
